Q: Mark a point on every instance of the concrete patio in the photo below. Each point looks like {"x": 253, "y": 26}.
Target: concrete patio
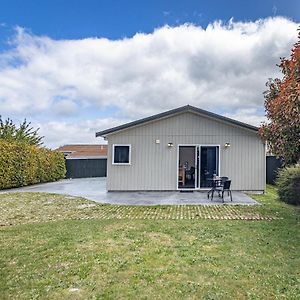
{"x": 94, "y": 189}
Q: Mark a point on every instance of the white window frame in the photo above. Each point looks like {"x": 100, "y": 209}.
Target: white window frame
{"x": 113, "y": 155}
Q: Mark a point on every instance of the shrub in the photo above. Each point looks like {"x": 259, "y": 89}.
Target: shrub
{"x": 22, "y": 164}
{"x": 288, "y": 182}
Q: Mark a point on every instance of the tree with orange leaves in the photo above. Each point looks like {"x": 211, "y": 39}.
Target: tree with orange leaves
{"x": 282, "y": 105}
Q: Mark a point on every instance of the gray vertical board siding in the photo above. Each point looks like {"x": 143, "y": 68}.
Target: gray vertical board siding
{"x": 154, "y": 166}
{"x": 84, "y": 168}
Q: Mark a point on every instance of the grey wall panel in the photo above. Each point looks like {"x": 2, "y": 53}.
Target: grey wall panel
{"x": 154, "y": 166}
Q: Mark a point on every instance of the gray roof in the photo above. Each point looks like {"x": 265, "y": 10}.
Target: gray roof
{"x": 186, "y": 108}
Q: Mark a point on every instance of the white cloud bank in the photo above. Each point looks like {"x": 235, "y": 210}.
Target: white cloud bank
{"x": 61, "y": 133}
{"x": 222, "y": 68}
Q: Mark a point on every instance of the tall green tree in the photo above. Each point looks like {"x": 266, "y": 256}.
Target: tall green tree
{"x": 282, "y": 105}
{"x": 24, "y": 133}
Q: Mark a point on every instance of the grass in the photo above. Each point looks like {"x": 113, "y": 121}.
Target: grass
{"x": 27, "y": 208}
{"x": 58, "y": 247}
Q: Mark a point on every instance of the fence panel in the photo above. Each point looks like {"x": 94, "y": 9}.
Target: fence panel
{"x": 273, "y": 164}
{"x": 84, "y": 168}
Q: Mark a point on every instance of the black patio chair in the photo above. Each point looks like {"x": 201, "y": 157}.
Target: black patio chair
{"x": 226, "y": 188}
{"x": 222, "y": 189}
{"x": 224, "y": 178}
{"x": 221, "y": 183}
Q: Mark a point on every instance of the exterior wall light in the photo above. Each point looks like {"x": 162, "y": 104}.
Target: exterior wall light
{"x": 227, "y": 145}
{"x": 170, "y": 145}
{"x": 157, "y": 141}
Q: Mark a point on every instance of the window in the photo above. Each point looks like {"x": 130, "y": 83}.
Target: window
{"x": 121, "y": 154}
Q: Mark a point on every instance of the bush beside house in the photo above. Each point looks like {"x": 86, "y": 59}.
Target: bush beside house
{"x": 23, "y": 164}
{"x": 288, "y": 182}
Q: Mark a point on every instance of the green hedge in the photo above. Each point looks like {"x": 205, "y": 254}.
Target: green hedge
{"x": 288, "y": 182}
{"x": 23, "y": 164}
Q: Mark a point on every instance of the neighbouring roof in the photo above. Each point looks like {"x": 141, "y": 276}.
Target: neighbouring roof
{"x": 186, "y": 108}
{"x": 84, "y": 151}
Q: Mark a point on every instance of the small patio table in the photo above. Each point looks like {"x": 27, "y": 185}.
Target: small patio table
{"x": 216, "y": 182}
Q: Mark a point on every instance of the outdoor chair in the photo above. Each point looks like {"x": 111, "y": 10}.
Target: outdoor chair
{"x": 221, "y": 183}
{"x": 222, "y": 189}
{"x": 224, "y": 178}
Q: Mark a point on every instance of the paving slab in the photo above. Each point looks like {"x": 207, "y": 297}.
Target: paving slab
{"x": 95, "y": 189}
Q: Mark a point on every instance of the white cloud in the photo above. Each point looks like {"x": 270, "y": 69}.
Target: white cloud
{"x": 65, "y": 107}
{"x": 247, "y": 115}
{"x": 221, "y": 68}
{"x": 60, "y": 133}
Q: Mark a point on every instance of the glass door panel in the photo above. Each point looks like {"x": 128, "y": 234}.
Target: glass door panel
{"x": 187, "y": 167}
{"x": 209, "y": 165}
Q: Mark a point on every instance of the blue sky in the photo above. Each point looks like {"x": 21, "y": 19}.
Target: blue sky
{"x": 73, "y": 19}
{"x": 73, "y": 67}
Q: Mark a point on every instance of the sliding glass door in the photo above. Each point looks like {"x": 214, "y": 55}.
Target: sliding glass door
{"x": 197, "y": 165}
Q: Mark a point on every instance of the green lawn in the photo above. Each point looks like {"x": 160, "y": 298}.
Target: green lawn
{"x": 58, "y": 247}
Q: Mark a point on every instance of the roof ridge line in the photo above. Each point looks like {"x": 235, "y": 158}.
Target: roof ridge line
{"x": 174, "y": 111}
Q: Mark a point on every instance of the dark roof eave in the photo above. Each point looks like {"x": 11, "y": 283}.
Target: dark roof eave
{"x": 173, "y": 112}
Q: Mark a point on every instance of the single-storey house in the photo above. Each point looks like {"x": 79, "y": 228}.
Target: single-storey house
{"x": 84, "y": 161}
{"x": 183, "y": 149}
{"x": 83, "y": 151}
